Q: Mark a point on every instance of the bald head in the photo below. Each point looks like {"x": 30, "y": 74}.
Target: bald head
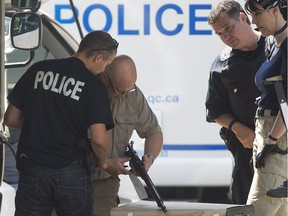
{"x": 122, "y": 72}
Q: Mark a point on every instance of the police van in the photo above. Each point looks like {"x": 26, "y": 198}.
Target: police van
{"x": 173, "y": 48}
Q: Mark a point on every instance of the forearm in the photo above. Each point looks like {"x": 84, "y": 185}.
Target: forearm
{"x": 153, "y": 144}
{"x": 100, "y": 151}
{"x": 99, "y": 143}
{"x": 244, "y": 134}
{"x": 224, "y": 120}
{"x": 278, "y": 129}
{"x": 13, "y": 117}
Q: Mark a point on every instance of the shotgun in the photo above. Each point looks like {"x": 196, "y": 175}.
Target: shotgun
{"x": 139, "y": 167}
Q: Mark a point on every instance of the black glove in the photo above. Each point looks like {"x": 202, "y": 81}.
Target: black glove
{"x": 268, "y": 148}
{"x": 279, "y": 151}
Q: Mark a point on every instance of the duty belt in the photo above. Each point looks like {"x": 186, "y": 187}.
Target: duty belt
{"x": 266, "y": 112}
{"x": 79, "y": 161}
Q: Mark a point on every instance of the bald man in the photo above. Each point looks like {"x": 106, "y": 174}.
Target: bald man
{"x": 130, "y": 111}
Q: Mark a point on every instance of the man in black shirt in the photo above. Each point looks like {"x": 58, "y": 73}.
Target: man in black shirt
{"x": 231, "y": 94}
{"x": 55, "y": 103}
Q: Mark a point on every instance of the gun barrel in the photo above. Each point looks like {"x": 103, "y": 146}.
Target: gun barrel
{"x": 140, "y": 169}
{"x": 154, "y": 192}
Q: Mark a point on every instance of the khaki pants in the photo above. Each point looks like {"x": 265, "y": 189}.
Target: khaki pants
{"x": 105, "y": 195}
{"x": 273, "y": 174}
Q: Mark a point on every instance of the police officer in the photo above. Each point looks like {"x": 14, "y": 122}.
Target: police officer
{"x": 270, "y": 146}
{"x": 55, "y": 103}
{"x": 231, "y": 94}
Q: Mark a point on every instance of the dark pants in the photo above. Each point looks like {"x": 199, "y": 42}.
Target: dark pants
{"x": 68, "y": 190}
{"x": 242, "y": 174}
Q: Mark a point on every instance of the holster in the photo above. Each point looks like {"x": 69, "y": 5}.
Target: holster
{"x": 89, "y": 159}
{"x": 24, "y": 163}
{"x": 230, "y": 139}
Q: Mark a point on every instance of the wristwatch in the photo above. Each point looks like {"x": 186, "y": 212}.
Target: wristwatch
{"x": 148, "y": 156}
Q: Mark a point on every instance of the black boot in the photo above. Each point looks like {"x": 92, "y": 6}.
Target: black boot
{"x": 279, "y": 191}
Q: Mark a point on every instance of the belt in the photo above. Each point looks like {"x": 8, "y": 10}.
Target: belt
{"x": 78, "y": 161}
{"x": 266, "y": 112}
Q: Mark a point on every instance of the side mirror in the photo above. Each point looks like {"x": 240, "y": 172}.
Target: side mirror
{"x": 26, "y": 30}
{"x": 25, "y": 4}
{"x": 8, "y": 46}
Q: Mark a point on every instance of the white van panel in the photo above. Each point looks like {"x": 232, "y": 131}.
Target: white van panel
{"x": 173, "y": 48}
{"x": 8, "y": 196}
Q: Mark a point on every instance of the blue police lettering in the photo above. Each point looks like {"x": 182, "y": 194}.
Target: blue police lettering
{"x": 190, "y": 21}
{"x": 63, "y": 7}
{"x": 69, "y": 87}
{"x": 192, "y": 27}
{"x": 121, "y": 23}
{"x": 159, "y": 16}
{"x": 147, "y": 20}
{"x": 153, "y": 99}
{"x": 93, "y": 7}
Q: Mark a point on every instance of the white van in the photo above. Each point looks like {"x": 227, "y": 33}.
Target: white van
{"x": 173, "y": 48}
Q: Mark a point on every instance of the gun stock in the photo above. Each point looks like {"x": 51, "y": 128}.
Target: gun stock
{"x": 140, "y": 169}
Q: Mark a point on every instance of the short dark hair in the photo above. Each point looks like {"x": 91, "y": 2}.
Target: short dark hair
{"x": 98, "y": 41}
{"x": 250, "y": 5}
{"x": 230, "y": 8}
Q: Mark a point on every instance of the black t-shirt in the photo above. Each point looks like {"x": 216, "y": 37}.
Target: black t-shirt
{"x": 59, "y": 99}
{"x": 231, "y": 86}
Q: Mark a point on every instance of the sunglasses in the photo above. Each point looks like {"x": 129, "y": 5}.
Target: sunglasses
{"x": 118, "y": 92}
{"x": 113, "y": 47}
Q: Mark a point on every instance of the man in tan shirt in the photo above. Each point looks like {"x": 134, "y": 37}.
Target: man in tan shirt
{"x": 130, "y": 111}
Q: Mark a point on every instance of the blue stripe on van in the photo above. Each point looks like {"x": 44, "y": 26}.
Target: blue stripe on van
{"x": 189, "y": 147}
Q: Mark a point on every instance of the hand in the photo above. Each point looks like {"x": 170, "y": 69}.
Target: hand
{"x": 268, "y": 148}
{"x": 147, "y": 162}
{"x": 133, "y": 171}
{"x": 117, "y": 166}
{"x": 279, "y": 151}
{"x": 245, "y": 134}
